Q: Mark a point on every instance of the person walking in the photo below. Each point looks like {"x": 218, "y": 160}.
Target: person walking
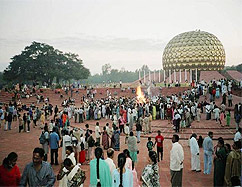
{"x": 54, "y": 145}
{"x": 159, "y": 141}
{"x": 195, "y": 156}
{"x": 38, "y": 172}
{"x": 176, "y": 162}
{"x": 208, "y": 152}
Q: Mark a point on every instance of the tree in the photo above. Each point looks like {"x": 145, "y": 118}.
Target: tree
{"x": 239, "y": 68}
{"x": 106, "y": 69}
{"x": 41, "y": 62}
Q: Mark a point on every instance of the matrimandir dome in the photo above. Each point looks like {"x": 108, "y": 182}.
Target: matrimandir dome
{"x": 194, "y": 50}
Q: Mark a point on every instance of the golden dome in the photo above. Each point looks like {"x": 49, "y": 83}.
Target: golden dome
{"x": 194, "y": 49}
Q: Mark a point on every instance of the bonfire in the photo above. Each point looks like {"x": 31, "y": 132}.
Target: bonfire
{"x": 140, "y": 95}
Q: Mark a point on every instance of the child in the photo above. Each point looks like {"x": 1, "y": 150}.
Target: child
{"x": 228, "y": 118}
{"x": 149, "y": 144}
{"x": 126, "y": 132}
{"x": 20, "y": 120}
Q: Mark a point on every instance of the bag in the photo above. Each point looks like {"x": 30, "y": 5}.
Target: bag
{"x": 91, "y": 141}
{"x": 42, "y": 139}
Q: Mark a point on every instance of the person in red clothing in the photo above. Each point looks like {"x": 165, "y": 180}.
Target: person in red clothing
{"x": 159, "y": 140}
{"x": 9, "y": 171}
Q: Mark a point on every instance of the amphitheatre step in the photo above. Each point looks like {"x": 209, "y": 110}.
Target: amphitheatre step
{"x": 207, "y": 76}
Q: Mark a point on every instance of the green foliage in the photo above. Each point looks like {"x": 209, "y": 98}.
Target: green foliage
{"x": 115, "y": 75}
{"x": 239, "y": 68}
{"x": 41, "y": 62}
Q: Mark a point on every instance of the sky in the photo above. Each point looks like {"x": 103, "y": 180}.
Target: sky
{"x": 124, "y": 33}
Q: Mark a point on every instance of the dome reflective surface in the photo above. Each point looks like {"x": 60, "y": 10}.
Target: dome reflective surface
{"x": 195, "y": 49}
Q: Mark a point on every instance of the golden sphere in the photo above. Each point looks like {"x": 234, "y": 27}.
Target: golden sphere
{"x": 194, "y": 49}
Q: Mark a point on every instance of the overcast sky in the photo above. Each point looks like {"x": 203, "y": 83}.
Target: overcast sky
{"x": 124, "y": 33}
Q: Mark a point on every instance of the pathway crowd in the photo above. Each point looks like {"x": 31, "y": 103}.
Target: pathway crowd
{"x": 129, "y": 118}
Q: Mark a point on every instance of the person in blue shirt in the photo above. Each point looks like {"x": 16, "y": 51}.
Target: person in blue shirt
{"x": 208, "y": 153}
{"x": 54, "y": 145}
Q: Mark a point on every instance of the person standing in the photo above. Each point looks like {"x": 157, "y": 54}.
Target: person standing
{"x": 159, "y": 141}
{"x": 97, "y": 134}
{"x": 109, "y": 160}
{"x": 9, "y": 171}
{"x": 45, "y": 142}
{"x": 132, "y": 146}
{"x": 1, "y": 116}
{"x": 176, "y": 161}
{"x": 90, "y": 145}
{"x": 38, "y": 172}
{"x": 99, "y": 170}
{"x": 54, "y": 145}
{"x": 195, "y": 157}
{"x": 138, "y": 129}
{"x": 233, "y": 166}
{"x": 122, "y": 176}
{"x": 228, "y": 118}
{"x": 146, "y": 124}
{"x": 219, "y": 163}
{"x": 150, "y": 175}
{"x": 177, "y": 121}
{"x": 238, "y": 135}
{"x": 208, "y": 152}
{"x": 105, "y": 139}
{"x": 10, "y": 119}
{"x": 20, "y": 123}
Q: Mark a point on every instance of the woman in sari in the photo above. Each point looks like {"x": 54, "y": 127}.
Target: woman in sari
{"x": 219, "y": 163}
{"x": 105, "y": 137}
{"x": 75, "y": 176}
{"x": 132, "y": 146}
{"x": 150, "y": 175}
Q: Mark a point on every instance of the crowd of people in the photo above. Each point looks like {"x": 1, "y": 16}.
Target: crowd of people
{"x": 129, "y": 118}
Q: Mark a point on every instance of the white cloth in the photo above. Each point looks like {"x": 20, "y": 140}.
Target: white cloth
{"x": 176, "y": 157}
{"x": 237, "y": 136}
{"x": 195, "y": 159}
{"x": 72, "y": 157}
{"x": 97, "y": 132}
{"x": 194, "y": 146}
{"x": 66, "y": 142}
{"x": 111, "y": 165}
{"x": 195, "y": 162}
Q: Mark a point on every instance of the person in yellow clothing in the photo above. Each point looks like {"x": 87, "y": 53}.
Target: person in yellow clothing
{"x": 42, "y": 119}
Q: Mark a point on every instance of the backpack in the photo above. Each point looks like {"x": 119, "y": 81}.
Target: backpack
{"x": 42, "y": 139}
{"x": 150, "y": 145}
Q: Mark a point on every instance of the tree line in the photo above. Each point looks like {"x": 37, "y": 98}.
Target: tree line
{"x": 41, "y": 62}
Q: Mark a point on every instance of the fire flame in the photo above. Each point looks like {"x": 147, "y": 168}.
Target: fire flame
{"x": 140, "y": 95}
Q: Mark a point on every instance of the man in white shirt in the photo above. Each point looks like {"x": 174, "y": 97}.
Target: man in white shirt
{"x": 109, "y": 160}
{"x": 195, "y": 157}
{"x": 176, "y": 161}
{"x": 238, "y": 135}
{"x": 97, "y": 134}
